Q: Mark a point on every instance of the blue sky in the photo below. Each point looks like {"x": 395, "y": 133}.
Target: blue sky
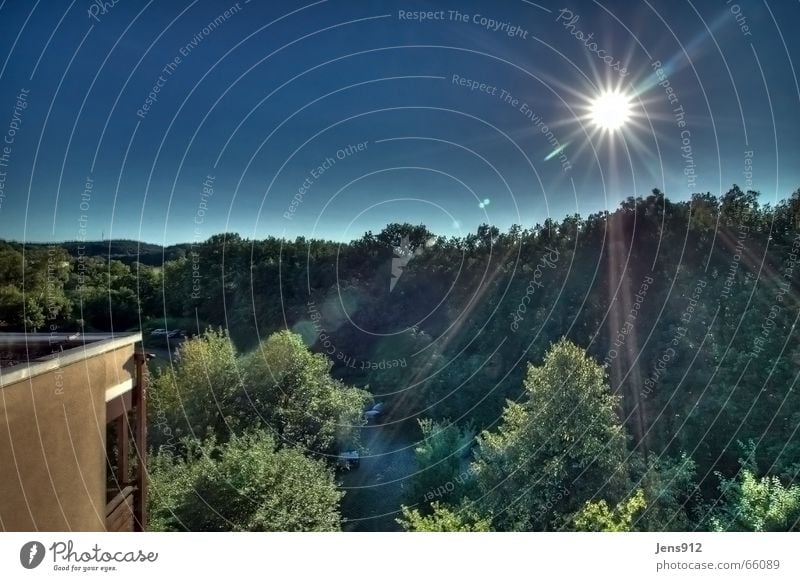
{"x": 269, "y": 96}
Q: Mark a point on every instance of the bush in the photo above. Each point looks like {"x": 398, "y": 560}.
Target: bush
{"x": 245, "y": 485}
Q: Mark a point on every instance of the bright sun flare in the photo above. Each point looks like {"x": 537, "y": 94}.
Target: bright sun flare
{"x": 610, "y": 110}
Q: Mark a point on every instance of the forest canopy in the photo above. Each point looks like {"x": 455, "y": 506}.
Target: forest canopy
{"x": 629, "y": 370}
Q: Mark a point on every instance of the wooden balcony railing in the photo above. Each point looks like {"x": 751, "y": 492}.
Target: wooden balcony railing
{"x": 120, "y": 512}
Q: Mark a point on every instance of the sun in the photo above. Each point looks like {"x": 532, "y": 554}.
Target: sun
{"x": 610, "y": 110}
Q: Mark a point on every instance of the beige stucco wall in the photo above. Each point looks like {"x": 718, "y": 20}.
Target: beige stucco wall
{"x": 52, "y": 445}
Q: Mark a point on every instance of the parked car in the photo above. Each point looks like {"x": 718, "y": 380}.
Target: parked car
{"x": 373, "y": 413}
{"x": 176, "y": 334}
{"x": 158, "y": 332}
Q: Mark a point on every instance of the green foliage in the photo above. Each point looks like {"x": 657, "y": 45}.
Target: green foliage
{"x": 671, "y": 492}
{"x": 247, "y": 484}
{"x": 749, "y": 503}
{"x": 17, "y": 312}
{"x": 443, "y": 520}
{"x": 565, "y": 434}
{"x": 32, "y": 288}
{"x": 247, "y": 481}
{"x": 596, "y": 516}
{"x": 442, "y": 466}
{"x": 196, "y": 396}
{"x": 281, "y": 387}
{"x": 291, "y": 389}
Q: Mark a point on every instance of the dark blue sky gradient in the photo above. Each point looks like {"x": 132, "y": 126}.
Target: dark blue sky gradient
{"x": 278, "y": 87}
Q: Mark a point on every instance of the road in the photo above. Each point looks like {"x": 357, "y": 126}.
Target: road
{"x": 374, "y": 491}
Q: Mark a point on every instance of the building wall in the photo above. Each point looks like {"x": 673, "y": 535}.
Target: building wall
{"x": 52, "y": 445}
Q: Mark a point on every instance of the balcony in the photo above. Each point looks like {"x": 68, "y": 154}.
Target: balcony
{"x": 72, "y": 432}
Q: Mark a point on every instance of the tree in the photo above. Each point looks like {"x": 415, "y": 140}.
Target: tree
{"x": 441, "y": 465}
{"x": 32, "y": 288}
{"x": 752, "y": 504}
{"x": 598, "y": 517}
{"x": 291, "y": 389}
{"x": 564, "y": 436}
{"x": 18, "y": 312}
{"x": 247, "y": 484}
{"x": 670, "y": 489}
{"x": 196, "y": 396}
{"x": 115, "y": 309}
{"x": 393, "y": 235}
{"x": 443, "y": 520}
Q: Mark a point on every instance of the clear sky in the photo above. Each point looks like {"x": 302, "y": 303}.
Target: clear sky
{"x": 172, "y": 121}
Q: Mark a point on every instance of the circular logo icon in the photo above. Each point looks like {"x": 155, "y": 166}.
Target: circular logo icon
{"x": 31, "y": 554}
